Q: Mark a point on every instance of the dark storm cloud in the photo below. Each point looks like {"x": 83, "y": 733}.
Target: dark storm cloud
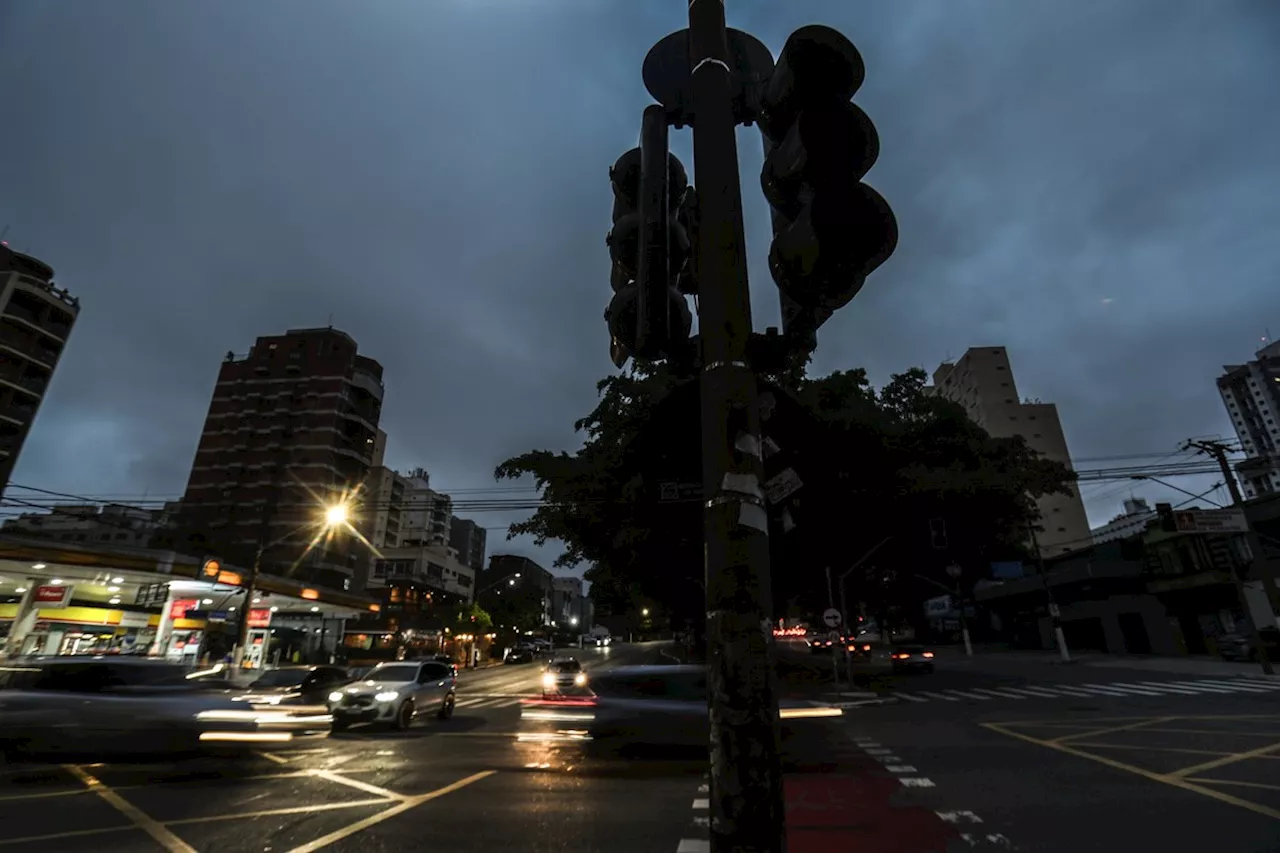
{"x": 432, "y": 177}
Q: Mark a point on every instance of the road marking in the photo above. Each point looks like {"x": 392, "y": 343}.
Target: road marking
{"x": 916, "y": 782}
{"x": 900, "y": 768}
{"x": 701, "y": 803}
{"x": 1249, "y": 688}
{"x": 880, "y": 751}
{"x": 1092, "y": 744}
{"x": 1237, "y": 782}
{"x": 358, "y": 785}
{"x": 271, "y": 756}
{"x": 694, "y": 845}
{"x": 400, "y": 808}
{"x": 995, "y": 692}
{"x": 1170, "y": 687}
{"x": 933, "y": 695}
{"x": 43, "y": 795}
{"x": 1034, "y": 692}
{"x": 909, "y": 697}
{"x": 970, "y": 695}
{"x": 145, "y": 822}
{"x": 75, "y": 833}
{"x": 285, "y": 810}
{"x": 888, "y": 759}
{"x": 1177, "y": 782}
{"x": 1094, "y": 732}
{"x": 703, "y": 788}
{"x": 1226, "y": 759}
{"x": 960, "y": 817}
{"x": 1121, "y": 689}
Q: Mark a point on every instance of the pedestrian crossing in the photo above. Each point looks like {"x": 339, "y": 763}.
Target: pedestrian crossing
{"x": 482, "y": 701}
{"x": 1116, "y": 689}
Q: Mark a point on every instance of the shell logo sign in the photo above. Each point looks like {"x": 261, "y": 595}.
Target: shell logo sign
{"x": 52, "y": 597}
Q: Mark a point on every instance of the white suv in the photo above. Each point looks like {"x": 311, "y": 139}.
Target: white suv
{"x": 395, "y": 694}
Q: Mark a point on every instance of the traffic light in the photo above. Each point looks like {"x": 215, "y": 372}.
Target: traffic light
{"x": 938, "y": 534}
{"x": 830, "y": 230}
{"x": 1168, "y": 523}
{"x": 649, "y": 247}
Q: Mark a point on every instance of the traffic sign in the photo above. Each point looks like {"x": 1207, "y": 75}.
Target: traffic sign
{"x": 831, "y": 617}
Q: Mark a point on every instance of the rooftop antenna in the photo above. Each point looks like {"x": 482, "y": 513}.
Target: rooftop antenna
{"x": 4, "y": 231}
{"x": 330, "y": 321}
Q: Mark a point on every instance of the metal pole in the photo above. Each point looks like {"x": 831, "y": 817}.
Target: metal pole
{"x": 242, "y": 632}
{"x": 747, "y": 809}
{"x": 835, "y": 649}
{"x": 1053, "y": 605}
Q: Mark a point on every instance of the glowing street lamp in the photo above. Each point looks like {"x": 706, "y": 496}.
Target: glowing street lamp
{"x": 334, "y": 516}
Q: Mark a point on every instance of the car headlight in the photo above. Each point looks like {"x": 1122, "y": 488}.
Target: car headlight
{"x": 580, "y": 679}
{"x": 335, "y": 696}
{"x": 548, "y": 679}
{"x": 386, "y": 696}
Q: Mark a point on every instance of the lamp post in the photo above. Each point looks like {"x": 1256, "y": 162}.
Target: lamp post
{"x": 335, "y": 516}
{"x": 953, "y": 572}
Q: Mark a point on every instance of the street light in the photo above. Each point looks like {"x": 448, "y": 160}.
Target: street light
{"x": 644, "y": 612}
{"x": 334, "y": 516}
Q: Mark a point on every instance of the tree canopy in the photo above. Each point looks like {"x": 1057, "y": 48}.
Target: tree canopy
{"x": 876, "y": 468}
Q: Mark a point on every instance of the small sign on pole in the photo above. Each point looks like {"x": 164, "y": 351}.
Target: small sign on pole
{"x": 831, "y": 617}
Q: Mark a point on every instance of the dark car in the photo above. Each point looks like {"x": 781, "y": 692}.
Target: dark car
{"x": 564, "y": 676}
{"x": 296, "y": 685}
{"x": 1236, "y": 646}
{"x": 520, "y": 654}
{"x": 911, "y": 659}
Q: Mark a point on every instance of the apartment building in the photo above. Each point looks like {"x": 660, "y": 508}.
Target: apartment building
{"x": 36, "y": 317}
{"x": 1251, "y": 393}
{"x": 1134, "y": 520}
{"x": 982, "y": 382}
{"x": 292, "y": 426}
{"x": 468, "y": 539}
{"x": 109, "y": 524}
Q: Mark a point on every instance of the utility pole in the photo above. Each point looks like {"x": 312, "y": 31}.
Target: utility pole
{"x": 1054, "y": 613}
{"x": 1219, "y": 452}
{"x": 747, "y": 809}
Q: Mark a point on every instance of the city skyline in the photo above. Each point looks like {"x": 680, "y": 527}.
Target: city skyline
{"x": 1030, "y": 205}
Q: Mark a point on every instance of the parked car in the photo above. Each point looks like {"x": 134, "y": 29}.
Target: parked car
{"x": 118, "y": 705}
{"x": 520, "y": 654}
{"x": 1237, "y": 646}
{"x": 396, "y": 694}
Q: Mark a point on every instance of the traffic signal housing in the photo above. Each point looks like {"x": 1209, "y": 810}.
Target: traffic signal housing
{"x": 830, "y": 230}
{"x": 938, "y": 534}
{"x": 649, "y": 248}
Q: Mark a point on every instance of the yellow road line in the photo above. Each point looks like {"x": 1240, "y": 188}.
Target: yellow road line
{"x": 1174, "y": 781}
{"x": 271, "y": 756}
{"x": 1225, "y": 760}
{"x": 330, "y": 776}
{"x": 319, "y": 807}
{"x": 75, "y": 833}
{"x": 1235, "y": 782}
{"x": 1154, "y": 748}
{"x": 143, "y": 821}
{"x": 372, "y": 820}
{"x": 1140, "y": 724}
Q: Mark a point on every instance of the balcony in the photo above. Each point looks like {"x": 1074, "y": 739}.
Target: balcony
{"x": 28, "y": 346}
{"x": 34, "y": 383}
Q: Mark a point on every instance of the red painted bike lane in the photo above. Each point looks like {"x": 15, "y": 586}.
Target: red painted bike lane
{"x": 845, "y": 802}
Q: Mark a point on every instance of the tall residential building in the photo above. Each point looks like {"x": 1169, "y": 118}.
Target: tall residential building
{"x": 1251, "y": 393}
{"x": 468, "y": 539}
{"x": 982, "y": 382}
{"x": 533, "y": 588}
{"x": 292, "y": 426}
{"x": 36, "y": 317}
{"x": 101, "y": 524}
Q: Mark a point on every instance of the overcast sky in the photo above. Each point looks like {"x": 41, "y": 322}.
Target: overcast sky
{"x": 1086, "y": 183}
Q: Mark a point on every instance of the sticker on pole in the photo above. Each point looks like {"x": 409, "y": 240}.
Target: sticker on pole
{"x": 831, "y": 617}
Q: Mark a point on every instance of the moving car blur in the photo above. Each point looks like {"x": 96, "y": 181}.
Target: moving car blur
{"x": 564, "y": 676}
{"x": 135, "y": 706}
{"x": 911, "y": 658}
{"x": 296, "y": 685}
{"x": 637, "y": 705}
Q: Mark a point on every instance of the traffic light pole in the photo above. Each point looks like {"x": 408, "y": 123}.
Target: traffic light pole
{"x": 747, "y": 809}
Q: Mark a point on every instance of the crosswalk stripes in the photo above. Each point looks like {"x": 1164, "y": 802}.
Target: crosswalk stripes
{"x": 1195, "y": 687}
{"x": 481, "y": 701}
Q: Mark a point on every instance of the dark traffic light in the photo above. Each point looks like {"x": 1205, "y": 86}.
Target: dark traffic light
{"x": 830, "y": 230}
{"x": 648, "y": 317}
{"x": 938, "y": 533}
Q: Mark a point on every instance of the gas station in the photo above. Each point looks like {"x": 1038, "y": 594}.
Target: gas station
{"x": 77, "y": 599}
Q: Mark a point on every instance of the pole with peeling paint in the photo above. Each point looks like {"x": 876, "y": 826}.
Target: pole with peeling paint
{"x": 747, "y": 810}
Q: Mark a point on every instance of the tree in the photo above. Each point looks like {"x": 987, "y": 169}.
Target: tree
{"x": 874, "y": 466}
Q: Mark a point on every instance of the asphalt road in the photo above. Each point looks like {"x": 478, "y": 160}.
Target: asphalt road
{"x": 1012, "y": 752}
{"x": 460, "y": 785}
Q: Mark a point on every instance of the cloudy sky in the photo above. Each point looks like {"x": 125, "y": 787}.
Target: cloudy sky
{"x": 1087, "y": 184}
